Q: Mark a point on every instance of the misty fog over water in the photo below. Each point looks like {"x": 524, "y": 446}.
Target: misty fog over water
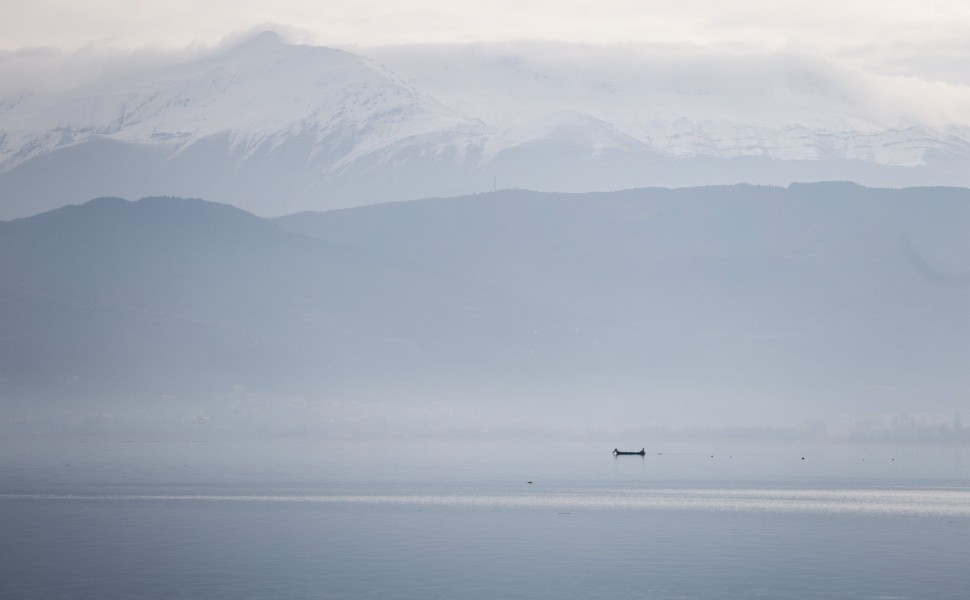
{"x": 636, "y": 302}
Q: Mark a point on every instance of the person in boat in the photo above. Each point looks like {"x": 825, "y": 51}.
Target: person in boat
{"x": 642, "y": 451}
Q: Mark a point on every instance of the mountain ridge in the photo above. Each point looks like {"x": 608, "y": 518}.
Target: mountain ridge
{"x": 737, "y": 305}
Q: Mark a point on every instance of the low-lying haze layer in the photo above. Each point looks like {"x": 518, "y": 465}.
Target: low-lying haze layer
{"x": 720, "y": 306}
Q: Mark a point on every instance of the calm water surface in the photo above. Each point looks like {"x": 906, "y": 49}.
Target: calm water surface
{"x": 461, "y": 520}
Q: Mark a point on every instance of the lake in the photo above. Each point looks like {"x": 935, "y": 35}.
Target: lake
{"x": 482, "y": 519}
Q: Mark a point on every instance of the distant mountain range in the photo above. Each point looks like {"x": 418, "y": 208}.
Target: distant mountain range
{"x": 711, "y": 306}
{"x": 276, "y": 128}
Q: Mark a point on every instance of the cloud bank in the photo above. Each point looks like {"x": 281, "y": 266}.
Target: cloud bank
{"x": 673, "y": 81}
{"x": 517, "y": 80}
{"x": 927, "y": 40}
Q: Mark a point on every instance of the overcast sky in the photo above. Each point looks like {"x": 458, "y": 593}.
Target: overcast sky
{"x": 928, "y": 39}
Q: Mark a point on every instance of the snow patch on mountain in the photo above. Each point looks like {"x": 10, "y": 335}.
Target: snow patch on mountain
{"x": 259, "y": 94}
{"x": 687, "y": 104}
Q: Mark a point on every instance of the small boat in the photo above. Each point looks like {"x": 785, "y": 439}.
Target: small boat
{"x": 642, "y": 452}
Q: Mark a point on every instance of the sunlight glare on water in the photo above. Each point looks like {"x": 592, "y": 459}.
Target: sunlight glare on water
{"x": 884, "y": 502}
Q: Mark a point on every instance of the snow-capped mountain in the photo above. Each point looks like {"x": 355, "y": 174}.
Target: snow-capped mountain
{"x": 275, "y": 128}
{"x": 782, "y": 107}
{"x": 258, "y": 94}
{"x": 284, "y": 112}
